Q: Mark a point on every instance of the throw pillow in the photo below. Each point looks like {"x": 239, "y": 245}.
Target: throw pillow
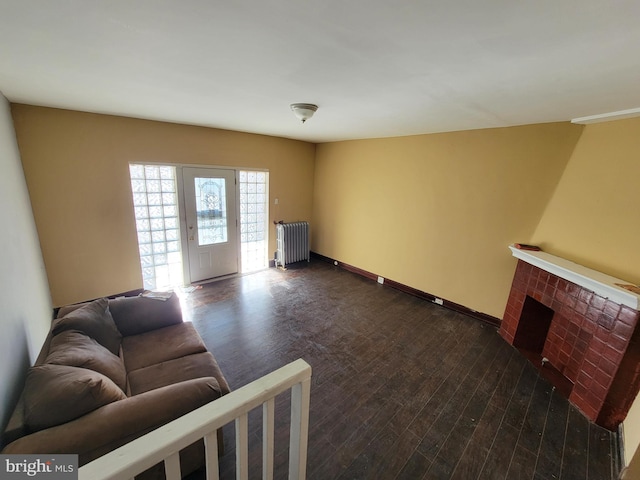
{"x": 56, "y": 394}
{"x": 75, "y": 349}
{"x": 135, "y": 315}
{"x": 94, "y": 320}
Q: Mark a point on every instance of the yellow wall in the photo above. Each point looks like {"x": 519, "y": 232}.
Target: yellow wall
{"x": 633, "y": 470}
{"x": 593, "y": 217}
{"x": 632, "y": 433}
{"x": 76, "y": 167}
{"x": 437, "y": 212}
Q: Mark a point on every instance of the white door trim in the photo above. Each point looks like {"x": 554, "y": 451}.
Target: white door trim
{"x": 184, "y": 232}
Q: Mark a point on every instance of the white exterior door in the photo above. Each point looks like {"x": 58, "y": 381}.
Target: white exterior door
{"x": 212, "y": 238}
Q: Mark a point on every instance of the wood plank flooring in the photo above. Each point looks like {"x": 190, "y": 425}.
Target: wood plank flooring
{"x": 401, "y": 388}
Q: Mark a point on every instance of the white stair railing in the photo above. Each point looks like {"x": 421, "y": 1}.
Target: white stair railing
{"x": 164, "y": 443}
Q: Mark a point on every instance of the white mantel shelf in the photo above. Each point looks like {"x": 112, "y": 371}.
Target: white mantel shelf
{"x": 598, "y": 282}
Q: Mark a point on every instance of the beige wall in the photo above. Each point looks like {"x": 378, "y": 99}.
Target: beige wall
{"x": 594, "y": 219}
{"x": 24, "y": 293}
{"x": 632, "y": 433}
{"x": 76, "y": 167}
{"x": 436, "y": 212}
{"x": 633, "y": 469}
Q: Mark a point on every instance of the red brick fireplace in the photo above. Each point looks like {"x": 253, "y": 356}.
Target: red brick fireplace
{"x": 579, "y": 329}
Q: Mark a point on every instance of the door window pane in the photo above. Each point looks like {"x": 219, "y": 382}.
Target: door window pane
{"x": 211, "y": 210}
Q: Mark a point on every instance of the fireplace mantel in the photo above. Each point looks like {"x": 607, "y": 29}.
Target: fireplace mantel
{"x": 598, "y": 282}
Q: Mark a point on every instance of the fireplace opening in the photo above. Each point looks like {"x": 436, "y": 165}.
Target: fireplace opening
{"x": 533, "y": 326}
{"x": 530, "y": 338}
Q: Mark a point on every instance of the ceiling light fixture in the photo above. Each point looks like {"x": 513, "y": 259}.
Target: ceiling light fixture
{"x": 304, "y": 111}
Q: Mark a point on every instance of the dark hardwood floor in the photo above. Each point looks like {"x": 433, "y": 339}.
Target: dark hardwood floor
{"x": 401, "y": 388}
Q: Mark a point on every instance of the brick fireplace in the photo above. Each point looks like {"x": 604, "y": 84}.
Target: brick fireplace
{"x": 579, "y": 328}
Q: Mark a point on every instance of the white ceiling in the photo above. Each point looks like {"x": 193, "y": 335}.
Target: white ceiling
{"x": 376, "y": 68}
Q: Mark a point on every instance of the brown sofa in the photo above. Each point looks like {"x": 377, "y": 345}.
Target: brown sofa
{"x": 109, "y": 372}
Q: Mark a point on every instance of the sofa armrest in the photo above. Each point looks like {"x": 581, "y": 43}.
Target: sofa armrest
{"x": 136, "y": 315}
{"x": 119, "y": 422}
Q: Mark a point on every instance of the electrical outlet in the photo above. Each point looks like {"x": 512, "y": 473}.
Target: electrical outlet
{"x": 380, "y": 280}
{"x": 439, "y": 301}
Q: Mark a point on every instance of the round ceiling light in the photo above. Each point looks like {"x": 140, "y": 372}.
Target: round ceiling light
{"x": 304, "y": 111}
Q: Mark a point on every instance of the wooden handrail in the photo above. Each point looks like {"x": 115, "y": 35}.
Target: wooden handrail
{"x": 164, "y": 443}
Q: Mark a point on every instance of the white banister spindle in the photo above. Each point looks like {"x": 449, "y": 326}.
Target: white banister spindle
{"x": 242, "y": 447}
{"x": 268, "y": 422}
{"x": 162, "y": 443}
{"x": 211, "y": 455}
{"x": 172, "y": 467}
{"x": 298, "y": 438}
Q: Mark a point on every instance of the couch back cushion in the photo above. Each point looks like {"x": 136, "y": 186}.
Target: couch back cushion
{"x": 56, "y": 394}
{"x": 75, "y": 349}
{"x": 161, "y": 345}
{"x": 94, "y": 320}
{"x": 136, "y": 315}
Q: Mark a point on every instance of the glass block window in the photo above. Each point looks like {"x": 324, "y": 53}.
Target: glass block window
{"x": 254, "y": 219}
{"x": 155, "y": 204}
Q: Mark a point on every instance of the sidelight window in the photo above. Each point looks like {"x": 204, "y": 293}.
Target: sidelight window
{"x": 155, "y": 203}
{"x": 254, "y": 201}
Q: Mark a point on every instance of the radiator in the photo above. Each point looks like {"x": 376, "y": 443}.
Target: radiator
{"x": 292, "y": 242}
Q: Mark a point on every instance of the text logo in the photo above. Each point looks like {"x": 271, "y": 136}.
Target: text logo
{"x": 50, "y": 467}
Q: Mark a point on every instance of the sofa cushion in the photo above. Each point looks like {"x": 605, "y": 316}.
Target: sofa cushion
{"x": 117, "y": 423}
{"x": 136, "y": 315}
{"x": 94, "y": 320}
{"x": 173, "y": 371}
{"x": 55, "y": 394}
{"x": 160, "y": 345}
{"x": 75, "y": 349}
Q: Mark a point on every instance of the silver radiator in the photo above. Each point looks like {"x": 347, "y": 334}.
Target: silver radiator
{"x": 292, "y": 242}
